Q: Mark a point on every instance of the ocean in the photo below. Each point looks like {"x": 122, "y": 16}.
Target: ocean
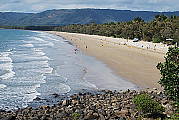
{"x": 34, "y": 63}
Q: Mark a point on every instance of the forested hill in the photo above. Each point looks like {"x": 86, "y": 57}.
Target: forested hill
{"x": 75, "y": 16}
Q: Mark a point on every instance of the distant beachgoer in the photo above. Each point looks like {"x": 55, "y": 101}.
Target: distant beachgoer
{"x": 154, "y": 47}
{"x": 86, "y": 47}
{"x": 76, "y": 50}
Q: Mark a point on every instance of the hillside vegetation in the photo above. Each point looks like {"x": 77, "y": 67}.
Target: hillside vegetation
{"x": 75, "y": 16}
{"x": 157, "y": 30}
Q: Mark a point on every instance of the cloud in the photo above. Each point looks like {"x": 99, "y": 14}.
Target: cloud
{"x": 41, "y": 5}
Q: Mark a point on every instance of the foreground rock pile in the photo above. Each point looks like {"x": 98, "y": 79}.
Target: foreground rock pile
{"x": 87, "y": 106}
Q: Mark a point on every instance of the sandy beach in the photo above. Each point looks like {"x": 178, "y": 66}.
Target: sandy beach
{"x": 133, "y": 61}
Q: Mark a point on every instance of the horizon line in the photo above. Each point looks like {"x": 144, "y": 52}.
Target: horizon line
{"x": 89, "y": 8}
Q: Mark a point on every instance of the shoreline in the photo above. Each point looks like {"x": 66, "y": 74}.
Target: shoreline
{"x": 133, "y": 63}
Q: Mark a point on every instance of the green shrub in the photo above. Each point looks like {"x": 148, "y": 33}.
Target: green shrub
{"x": 170, "y": 73}
{"x": 75, "y": 116}
{"x": 147, "y": 105}
{"x": 156, "y": 39}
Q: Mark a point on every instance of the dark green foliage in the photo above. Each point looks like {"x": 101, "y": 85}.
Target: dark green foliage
{"x": 160, "y": 17}
{"x": 157, "y": 39}
{"x": 158, "y": 30}
{"x": 170, "y": 73}
{"x": 147, "y": 105}
{"x": 75, "y": 116}
{"x": 138, "y": 19}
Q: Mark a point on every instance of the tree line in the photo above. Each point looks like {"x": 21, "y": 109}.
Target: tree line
{"x": 157, "y": 30}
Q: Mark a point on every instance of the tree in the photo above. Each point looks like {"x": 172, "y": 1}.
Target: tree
{"x": 161, "y": 17}
{"x": 170, "y": 73}
{"x": 157, "y": 39}
{"x": 176, "y": 37}
{"x": 138, "y": 19}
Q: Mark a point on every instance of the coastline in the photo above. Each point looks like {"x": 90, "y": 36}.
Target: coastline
{"x": 126, "y": 58}
{"x": 100, "y": 104}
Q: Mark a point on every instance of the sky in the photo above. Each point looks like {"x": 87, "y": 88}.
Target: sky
{"x": 42, "y": 5}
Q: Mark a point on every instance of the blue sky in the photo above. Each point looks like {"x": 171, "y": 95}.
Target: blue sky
{"x": 41, "y": 5}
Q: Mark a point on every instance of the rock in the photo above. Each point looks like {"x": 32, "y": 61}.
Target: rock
{"x": 164, "y": 102}
{"x": 101, "y": 117}
{"x": 65, "y": 102}
{"x": 90, "y": 116}
{"x": 74, "y": 102}
{"x": 34, "y": 118}
{"x": 9, "y": 118}
{"x": 43, "y": 118}
{"x": 2, "y": 110}
{"x": 45, "y": 107}
{"x": 121, "y": 113}
{"x": 55, "y": 95}
{"x": 95, "y": 115}
{"x": 37, "y": 99}
{"x": 47, "y": 111}
{"x": 154, "y": 88}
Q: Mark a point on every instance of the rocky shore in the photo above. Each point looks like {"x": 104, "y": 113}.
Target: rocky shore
{"x": 108, "y": 105}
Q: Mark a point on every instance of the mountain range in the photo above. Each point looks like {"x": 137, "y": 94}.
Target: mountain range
{"x": 75, "y": 16}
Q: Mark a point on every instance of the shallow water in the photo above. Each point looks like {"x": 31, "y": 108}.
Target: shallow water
{"x": 39, "y": 64}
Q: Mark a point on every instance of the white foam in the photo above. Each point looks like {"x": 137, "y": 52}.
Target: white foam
{"x": 46, "y": 43}
{"x": 65, "y": 78}
{"x": 7, "y": 66}
{"x": 8, "y": 75}
{"x": 38, "y": 51}
{"x": 4, "y": 57}
{"x": 47, "y": 70}
{"x": 64, "y": 88}
{"x": 50, "y": 37}
{"x": 2, "y": 86}
{"x": 44, "y": 63}
{"x": 32, "y": 58}
{"x": 27, "y": 45}
{"x": 58, "y": 87}
{"x": 38, "y": 39}
{"x": 9, "y": 50}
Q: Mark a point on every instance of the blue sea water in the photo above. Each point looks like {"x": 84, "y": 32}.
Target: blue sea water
{"x": 39, "y": 64}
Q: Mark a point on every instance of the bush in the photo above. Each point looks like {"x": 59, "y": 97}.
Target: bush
{"x": 156, "y": 39}
{"x": 147, "y": 105}
{"x": 170, "y": 73}
{"x": 75, "y": 116}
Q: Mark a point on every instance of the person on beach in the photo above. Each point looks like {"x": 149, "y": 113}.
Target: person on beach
{"x": 86, "y": 47}
{"x": 76, "y": 50}
{"x": 154, "y": 47}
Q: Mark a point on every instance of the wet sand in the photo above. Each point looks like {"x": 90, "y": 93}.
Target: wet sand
{"x": 134, "y": 62}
